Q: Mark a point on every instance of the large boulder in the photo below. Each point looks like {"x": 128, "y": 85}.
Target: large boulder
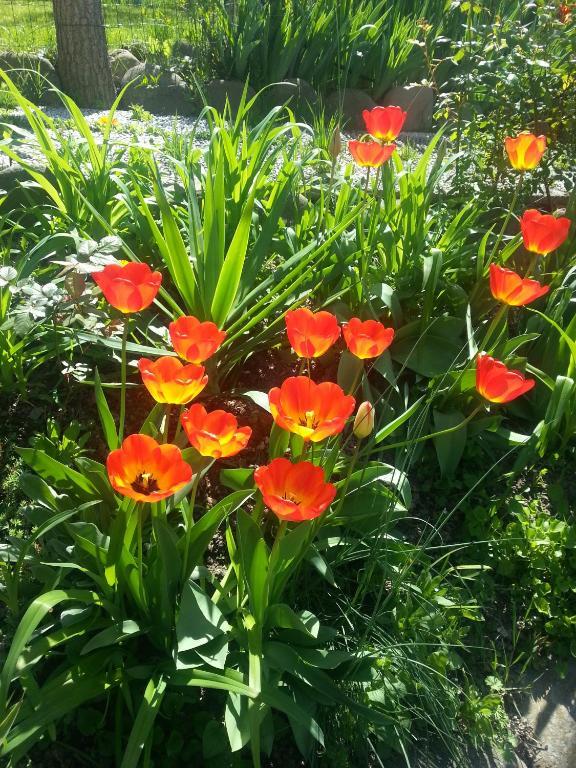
{"x": 33, "y": 74}
{"x": 121, "y": 61}
{"x": 349, "y": 103}
{"x": 219, "y": 92}
{"x": 298, "y": 94}
{"x": 418, "y": 101}
{"x": 158, "y": 91}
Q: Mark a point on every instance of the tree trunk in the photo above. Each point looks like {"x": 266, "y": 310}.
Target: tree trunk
{"x": 83, "y": 63}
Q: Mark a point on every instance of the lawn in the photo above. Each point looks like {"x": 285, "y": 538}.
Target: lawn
{"x": 287, "y": 462}
{"x": 27, "y": 25}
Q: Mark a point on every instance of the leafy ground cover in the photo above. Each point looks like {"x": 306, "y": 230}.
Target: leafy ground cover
{"x": 287, "y": 473}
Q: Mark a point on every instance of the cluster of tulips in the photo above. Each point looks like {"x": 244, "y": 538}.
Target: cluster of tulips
{"x": 148, "y": 471}
{"x": 541, "y": 234}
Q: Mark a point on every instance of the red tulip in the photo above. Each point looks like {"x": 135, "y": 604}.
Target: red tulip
{"x": 370, "y": 154}
{"x": 509, "y": 288}
{"x": 146, "y": 471}
{"x": 313, "y": 411}
{"x": 294, "y": 492}
{"x": 565, "y": 12}
{"x": 169, "y": 381}
{"x": 128, "y": 287}
{"x": 384, "y": 123}
{"x": 214, "y": 434}
{"x": 311, "y": 334}
{"x": 497, "y": 383}
{"x": 367, "y": 339}
{"x": 195, "y": 341}
{"x": 543, "y": 233}
{"x": 525, "y": 150}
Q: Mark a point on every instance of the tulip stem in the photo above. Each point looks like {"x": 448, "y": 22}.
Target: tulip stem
{"x": 167, "y": 422}
{"x": 442, "y": 432}
{"x": 140, "y": 555}
{"x": 123, "y": 382}
{"x": 532, "y": 264}
{"x": 493, "y": 325}
{"x": 189, "y": 525}
{"x": 507, "y": 219}
{"x": 179, "y": 425}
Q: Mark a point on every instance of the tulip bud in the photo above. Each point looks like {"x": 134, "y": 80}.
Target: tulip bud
{"x": 364, "y": 421}
{"x": 335, "y": 145}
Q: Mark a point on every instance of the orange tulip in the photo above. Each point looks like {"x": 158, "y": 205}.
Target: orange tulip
{"x": 195, "y": 341}
{"x": 367, "y": 339}
{"x": 128, "y": 287}
{"x": 311, "y": 333}
{"x": 497, "y": 383}
{"x": 370, "y": 154}
{"x": 294, "y": 492}
{"x": 565, "y": 12}
{"x": 384, "y": 123}
{"x": 525, "y": 150}
{"x": 214, "y": 434}
{"x": 543, "y": 233}
{"x": 170, "y": 381}
{"x": 313, "y": 411}
{"x": 509, "y": 288}
{"x": 146, "y": 471}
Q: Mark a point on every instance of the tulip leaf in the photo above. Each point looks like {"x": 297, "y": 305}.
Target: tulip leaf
{"x": 59, "y": 475}
{"x": 142, "y": 730}
{"x": 203, "y": 531}
{"x": 106, "y": 418}
{"x": 254, "y": 560}
{"x": 450, "y": 447}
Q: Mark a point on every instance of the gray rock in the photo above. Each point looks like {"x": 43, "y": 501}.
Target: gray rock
{"x": 158, "y": 91}
{"x": 298, "y": 94}
{"x": 121, "y": 61}
{"x": 417, "y": 101}
{"x": 549, "y": 708}
{"x": 219, "y": 92}
{"x": 349, "y": 103}
{"x": 33, "y": 75}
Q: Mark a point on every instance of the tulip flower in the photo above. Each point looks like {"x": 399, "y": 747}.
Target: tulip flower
{"x": 294, "y": 492}
{"x": 565, "y": 12}
{"x": 543, "y": 233}
{"x": 214, "y": 434}
{"x": 145, "y": 471}
{"x": 497, "y": 383}
{"x": 313, "y": 411}
{"x": 311, "y": 334}
{"x": 195, "y": 341}
{"x": 170, "y": 381}
{"x": 384, "y": 123}
{"x": 509, "y": 288}
{"x": 370, "y": 154}
{"x": 525, "y": 150}
{"x": 364, "y": 421}
{"x": 367, "y": 339}
{"x": 128, "y": 287}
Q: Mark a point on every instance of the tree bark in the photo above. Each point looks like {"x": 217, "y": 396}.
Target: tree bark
{"x": 83, "y": 63}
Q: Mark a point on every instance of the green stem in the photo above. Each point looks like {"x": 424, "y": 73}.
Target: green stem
{"x": 344, "y": 490}
{"x": 179, "y": 425}
{"x": 532, "y": 264}
{"x": 507, "y": 219}
{"x": 189, "y": 526}
{"x": 442, "y": 432}
{"x": 139, "y": 512}
{"x": 493, "y": 325}
{"x": 166, "y": 423}
{"x": 123, "y": 382}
